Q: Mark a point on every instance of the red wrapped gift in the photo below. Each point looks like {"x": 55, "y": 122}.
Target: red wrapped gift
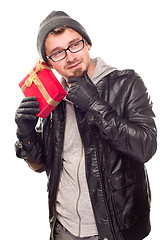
{"x": 42, "y": 83}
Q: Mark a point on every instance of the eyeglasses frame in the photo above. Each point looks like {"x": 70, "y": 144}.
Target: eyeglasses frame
{"x": 66, "y": 49}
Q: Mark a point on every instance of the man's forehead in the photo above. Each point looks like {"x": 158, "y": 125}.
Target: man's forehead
{"x": 62, "y": 40}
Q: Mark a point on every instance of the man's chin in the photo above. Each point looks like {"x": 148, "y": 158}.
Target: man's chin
{"x": 78, "y": 72}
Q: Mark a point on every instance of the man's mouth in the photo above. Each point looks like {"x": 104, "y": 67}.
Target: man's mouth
{"x": 74, "y": 66}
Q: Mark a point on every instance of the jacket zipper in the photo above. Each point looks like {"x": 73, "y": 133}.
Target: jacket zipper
{"x": 110, "y": 223}
{"x": 50, "y": 134}
{"x": 52, "y": 230}
{"x": 55, "y": 213}
{"x": 78, "y": 199}
{"x": 79, "y": 188}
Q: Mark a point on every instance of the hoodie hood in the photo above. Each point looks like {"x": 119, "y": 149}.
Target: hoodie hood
{"x": 101, "y": 70}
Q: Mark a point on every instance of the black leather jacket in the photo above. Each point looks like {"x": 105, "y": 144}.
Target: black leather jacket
{"x": 119, "y": 136}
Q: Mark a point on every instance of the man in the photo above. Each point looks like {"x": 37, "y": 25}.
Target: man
{"x": 93, "y": 146}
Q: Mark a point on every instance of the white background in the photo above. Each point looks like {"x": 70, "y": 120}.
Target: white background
{"x": 126, "y": 34}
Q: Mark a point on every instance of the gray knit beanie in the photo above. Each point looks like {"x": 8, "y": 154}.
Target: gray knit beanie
{"x": 54, "y": 20}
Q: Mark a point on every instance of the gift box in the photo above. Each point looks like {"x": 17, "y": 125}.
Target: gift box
{"x": 42, "y": 83}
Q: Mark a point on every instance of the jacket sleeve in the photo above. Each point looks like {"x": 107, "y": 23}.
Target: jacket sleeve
{"x": 30, "y": 149}
{"x": 132, "y": 132}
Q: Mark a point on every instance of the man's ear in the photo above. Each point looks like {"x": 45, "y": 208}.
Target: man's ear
{"x": 88, "y": 46}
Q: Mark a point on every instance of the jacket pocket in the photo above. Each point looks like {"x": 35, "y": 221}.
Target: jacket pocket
{"x": 130, "y": 196}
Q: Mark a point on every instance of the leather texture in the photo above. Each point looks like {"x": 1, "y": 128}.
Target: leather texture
{"x": 119, "y": 135}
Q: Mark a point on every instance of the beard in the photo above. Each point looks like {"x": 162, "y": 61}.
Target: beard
{"x": 78, "y": 73}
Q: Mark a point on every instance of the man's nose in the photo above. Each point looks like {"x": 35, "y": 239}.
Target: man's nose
{"x": 70, "y": 56}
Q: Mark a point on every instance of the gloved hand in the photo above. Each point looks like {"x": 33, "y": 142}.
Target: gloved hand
{"x": 82, "y": 92}
{"x": 25, "y": 116}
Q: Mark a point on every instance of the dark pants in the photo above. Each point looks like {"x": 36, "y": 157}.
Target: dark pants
{"x": 62, "y": 234}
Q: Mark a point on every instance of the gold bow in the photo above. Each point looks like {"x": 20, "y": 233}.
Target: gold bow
{"x": 33, "y": 74}
{"x": 34, "y": 78}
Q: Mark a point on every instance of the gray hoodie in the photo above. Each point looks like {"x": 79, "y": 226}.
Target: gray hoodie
{"x": 73, "y": 202}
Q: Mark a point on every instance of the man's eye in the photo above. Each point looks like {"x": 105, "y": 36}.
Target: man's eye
{"x": 58, "y": 53}
{"x": 76, "y": 44}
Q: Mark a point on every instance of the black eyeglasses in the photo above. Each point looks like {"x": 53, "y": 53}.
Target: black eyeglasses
{"x": 61, "y": 54}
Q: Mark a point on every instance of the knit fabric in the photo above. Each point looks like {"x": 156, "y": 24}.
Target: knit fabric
{"x": 55, "y": 20}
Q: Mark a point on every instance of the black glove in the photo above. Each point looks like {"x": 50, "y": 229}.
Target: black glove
{"x": 25, "y": 116}
{"x": 82, "y": 92}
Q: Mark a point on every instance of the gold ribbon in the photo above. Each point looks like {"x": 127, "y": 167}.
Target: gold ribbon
{"x": 33, "y": 78}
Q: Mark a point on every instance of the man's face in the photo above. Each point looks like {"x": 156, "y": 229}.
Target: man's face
{"x": 74, "y": 64}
